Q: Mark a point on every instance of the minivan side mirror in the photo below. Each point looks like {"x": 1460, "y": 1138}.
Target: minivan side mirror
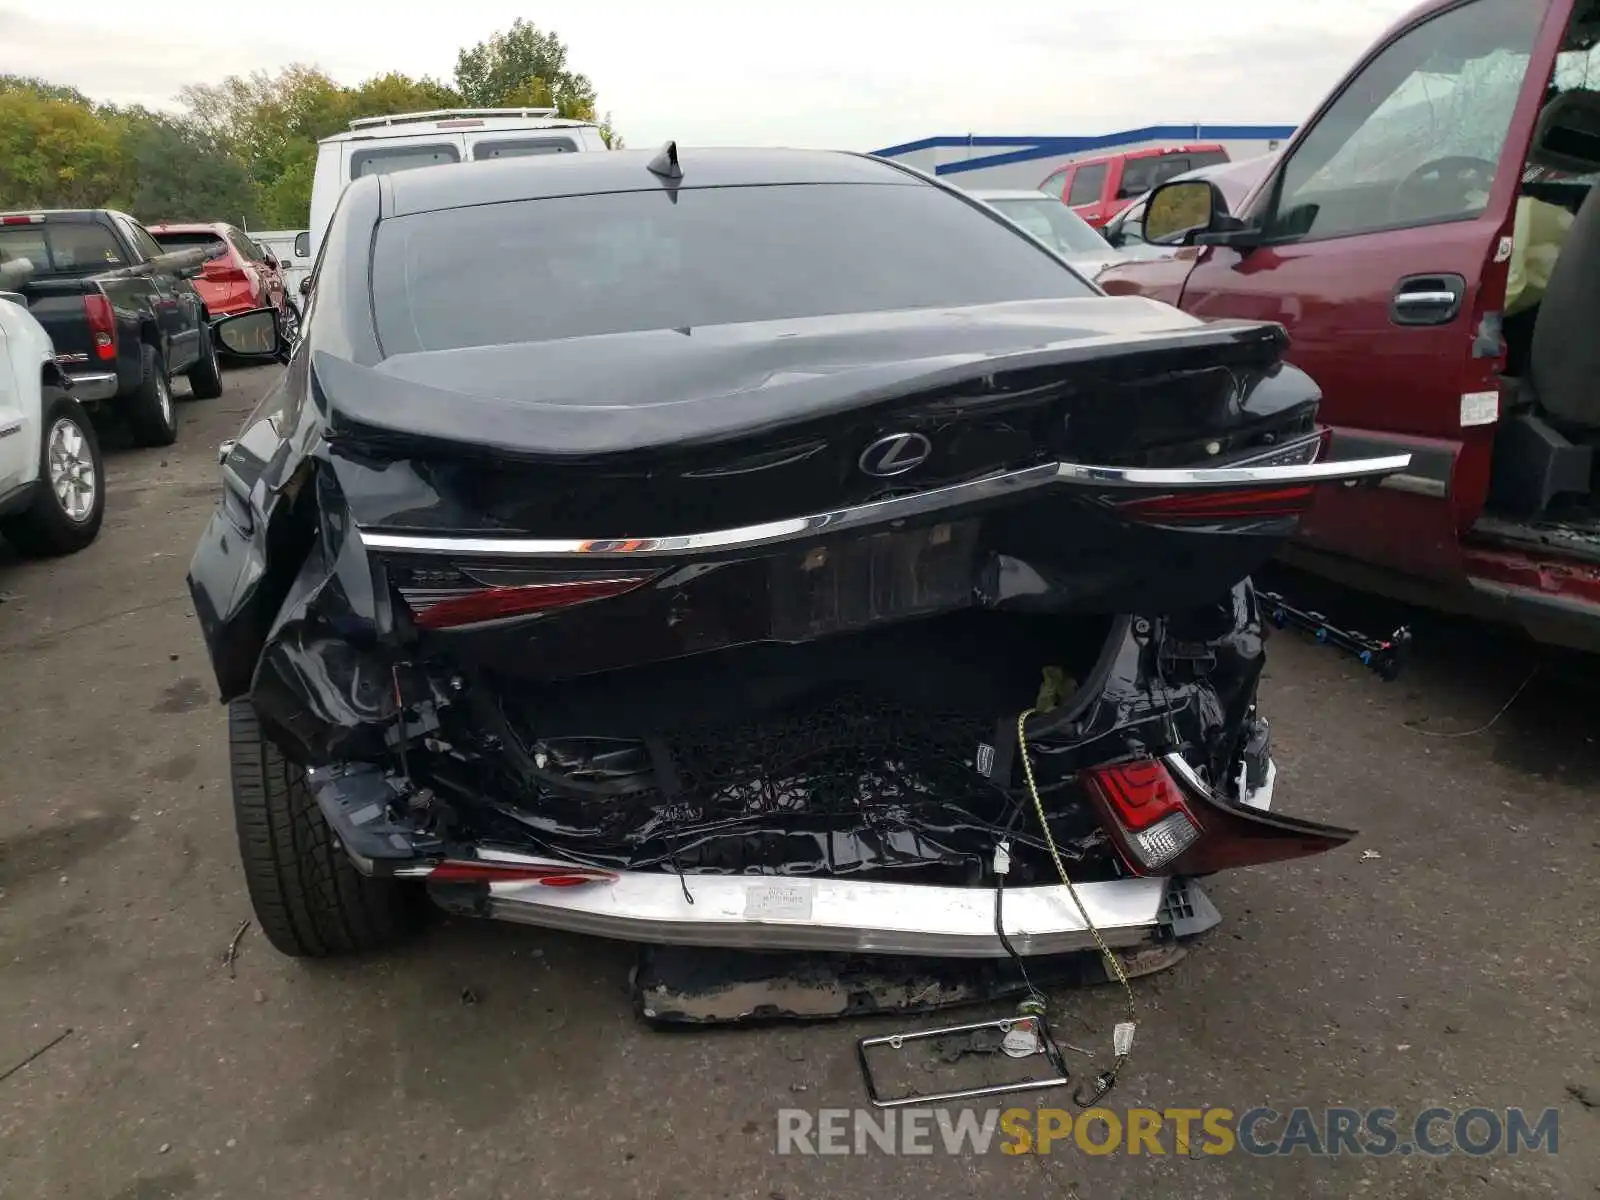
{"x": 302, "y": 245}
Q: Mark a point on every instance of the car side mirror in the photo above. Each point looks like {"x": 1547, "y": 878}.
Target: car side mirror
{"x": 1178, "y": 210}
{"x": 270, "y": 261}
{"x": 305, "y": 286}
{"x": 302, "y": 245}
{"x": 250, "y": 335}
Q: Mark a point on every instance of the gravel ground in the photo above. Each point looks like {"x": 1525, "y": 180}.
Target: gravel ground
{"x": 1455, "y": 968}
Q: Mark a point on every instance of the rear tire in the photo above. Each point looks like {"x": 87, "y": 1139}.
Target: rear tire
{"x": 70, "y": 501}
{"x": 308, "y": 897}
{"x": 149, "y": 409}
{"x": 205, "y": 377}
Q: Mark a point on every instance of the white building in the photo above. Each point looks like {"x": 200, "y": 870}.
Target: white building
{"x": 1023, "y": 162}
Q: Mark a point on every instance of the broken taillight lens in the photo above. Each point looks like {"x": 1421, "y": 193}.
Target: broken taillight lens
{"x": 1163, "y": 827}
{"x": 498, "y": 603}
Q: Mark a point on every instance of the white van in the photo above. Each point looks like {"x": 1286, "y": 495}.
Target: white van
{"x": 380, "y": 145}
{"x": 292, "y": 249}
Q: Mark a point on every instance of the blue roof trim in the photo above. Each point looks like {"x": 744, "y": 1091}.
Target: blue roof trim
{"x": 1031, "y": 148}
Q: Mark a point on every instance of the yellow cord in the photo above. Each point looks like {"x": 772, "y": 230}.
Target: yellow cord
{"x": 1112, "y": 961}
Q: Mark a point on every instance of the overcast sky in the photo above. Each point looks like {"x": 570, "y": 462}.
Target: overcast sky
{"x": 856, "y": 74}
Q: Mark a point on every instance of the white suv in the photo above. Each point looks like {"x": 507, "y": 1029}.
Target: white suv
{"x": 379, "y": 145}
{"x": 52, "y": 483}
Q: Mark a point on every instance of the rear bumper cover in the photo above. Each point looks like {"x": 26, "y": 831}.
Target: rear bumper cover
{"x": 819, "y": 914}
{"x": 769, "y": 912}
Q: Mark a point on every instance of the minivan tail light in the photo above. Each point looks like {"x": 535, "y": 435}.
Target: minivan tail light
{"x": 102, "y": 326}
{"x": 498, "y": 603}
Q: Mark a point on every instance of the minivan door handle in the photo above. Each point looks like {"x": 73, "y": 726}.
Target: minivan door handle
{"x": 1427, "y": 299}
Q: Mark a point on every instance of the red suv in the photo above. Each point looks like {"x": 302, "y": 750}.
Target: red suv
{"x": 239, "y": 275}
{"x": 1431, "y": 241}
{"x": 1097, "y": 189}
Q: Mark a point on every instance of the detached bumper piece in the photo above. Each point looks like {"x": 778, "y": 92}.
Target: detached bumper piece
{"x": 764, "y": 913}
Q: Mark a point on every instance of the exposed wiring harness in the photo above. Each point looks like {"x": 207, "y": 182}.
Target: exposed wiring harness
{"x": 1122, "y": 1038}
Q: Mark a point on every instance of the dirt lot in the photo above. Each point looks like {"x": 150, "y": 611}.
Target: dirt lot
{"x": 1456, "y": 969}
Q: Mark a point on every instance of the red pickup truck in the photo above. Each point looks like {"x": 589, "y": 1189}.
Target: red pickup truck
{"x": 1099, "y": 188}
{"x": 1431, "y": 241}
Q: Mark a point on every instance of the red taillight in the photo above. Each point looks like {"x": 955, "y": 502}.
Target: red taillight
{"x": 20, "y": 219}
{"x": 546, "y": 874}
{"x": 496, "y": 603}
{"x": 102, "y": 326}
{"x": 1153, "y": 822}
{"x": 1162, "y": 826}
{"x": 1233, "y": 504}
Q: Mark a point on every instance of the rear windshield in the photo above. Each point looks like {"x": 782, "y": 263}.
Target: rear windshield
{"x": 522, "y": 147}
{"x": 537, "y": 270}
{"x": 1054, "y": 224}
{"x": 386, "y": 160}
{"x": 62, "y": 246}
{"x": 1139, "y": 175}
{"x": 214, "y": 242}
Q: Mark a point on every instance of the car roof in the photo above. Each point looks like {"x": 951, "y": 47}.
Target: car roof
{"x": 1144, "y": 152}
{"x": 217, "y": 227}
{"x": 1012, "y": 194}
{"x": 539, "y": 177}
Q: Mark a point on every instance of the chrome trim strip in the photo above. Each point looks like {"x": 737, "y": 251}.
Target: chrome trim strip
{"x": 788, "y": 913}
{"x": 1197, "y": 478}
{"x": 976, "y": 491}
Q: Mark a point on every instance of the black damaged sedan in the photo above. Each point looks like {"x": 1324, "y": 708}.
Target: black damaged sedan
{"x": 747, "y": 548}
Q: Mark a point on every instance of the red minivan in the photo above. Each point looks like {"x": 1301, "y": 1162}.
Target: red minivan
{"x": 1097, "y": 189}
{"x": 1431, "y": 241}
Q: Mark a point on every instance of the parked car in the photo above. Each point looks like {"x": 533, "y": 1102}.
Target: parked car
{"x": 239, "y": 275}
{"x": 1056, "y": 225}
{"x": 52, "y": 484}
{"x": 1099, "y": 188}
{"x": 705, "y": 598}
{"x": 292, "y": 250}
{"x": 1387, "y": 241}
{"x": 406, "y": 141}
{"x": 1234, "y": 180}
{"x": 120, "y": 310}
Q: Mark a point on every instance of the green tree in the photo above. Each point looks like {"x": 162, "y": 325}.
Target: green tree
{"x": 397, "y": 93}
{"x": 286, "y": 201}
{"x": 58, "y": 154}
{"x": 523, "y": 62}
{"x": 182, "y": 172}
{"x": 44, "y": 89}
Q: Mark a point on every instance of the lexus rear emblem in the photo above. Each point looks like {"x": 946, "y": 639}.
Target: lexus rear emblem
{"x": 895, "y": 454}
